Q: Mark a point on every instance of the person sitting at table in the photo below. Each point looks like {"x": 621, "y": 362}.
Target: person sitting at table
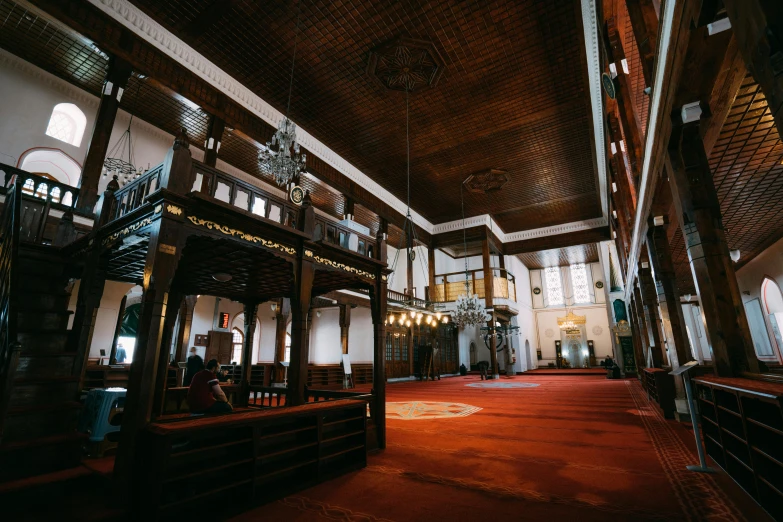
{"x": 205, "y": 394}
{"x": 194, "y": 365}
{"x": 222, "y": 375}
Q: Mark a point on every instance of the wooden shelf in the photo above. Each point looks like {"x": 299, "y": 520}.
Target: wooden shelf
{"x": 753, "y": 409}
{"x": 307, "y": 444}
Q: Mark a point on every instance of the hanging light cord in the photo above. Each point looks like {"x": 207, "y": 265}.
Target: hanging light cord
{"x": 464, "y": 235}
{"x": 293, "y": 61}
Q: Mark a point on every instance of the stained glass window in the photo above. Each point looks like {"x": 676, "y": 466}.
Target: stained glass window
{"x": 554, "y": 288}
{"x": 579, "y": 283}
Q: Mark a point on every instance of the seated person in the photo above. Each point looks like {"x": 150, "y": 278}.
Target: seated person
{"x": 222, "y": 375}
{"x": 205, "y": 394}
{"x": 608, "y": 363}
{"x": 194, "y": 365}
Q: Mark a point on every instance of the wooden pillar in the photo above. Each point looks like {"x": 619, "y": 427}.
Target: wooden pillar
{"x": 641, "y": 322}
{"x": 433, "y": 290}
{"x": 638, "y": 348}
{"x": 159, "y": 271}
{"x": 304, "y": 272}
{"x": 697, "y": 203}
{"x": 378, "y": 296}
{"x": 173, "y": 305}
{"x": 489, "y": 288}
{"x": 345, "y": 325}
{"x": 650, "y": 302}
{"x": 758, "y": 28}
{"x": 251, "y": 311}
{"x": 115, "y": 82}
{"x": 644, "y": 21}
{"x": 668, "y": 293}
{"x": 282, "y": 312}
{"x": 185, "y": 324}
{"x": 91, "y": 287}
{"x": 215, "y": 128}
{"x": 117, "y": 328}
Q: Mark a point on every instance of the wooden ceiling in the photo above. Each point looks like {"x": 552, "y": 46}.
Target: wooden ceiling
{"x": 513, "y": 95}
{"x": 561, "y": 256}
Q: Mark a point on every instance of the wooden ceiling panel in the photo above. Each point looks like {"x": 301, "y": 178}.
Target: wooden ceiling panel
{"x": 512, "y": 97}
{"x": 561, "y": 256}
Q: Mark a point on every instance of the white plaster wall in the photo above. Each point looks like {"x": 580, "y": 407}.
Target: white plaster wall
{"x": 106, "y": 319}
{"x": 325, "y": 337}
{"x": 360, "y": 336}
{"x": 267, "y": 318}
{"x": 596, "y": 316}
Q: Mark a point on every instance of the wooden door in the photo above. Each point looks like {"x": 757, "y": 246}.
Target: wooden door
{"x": 219, "y": 345}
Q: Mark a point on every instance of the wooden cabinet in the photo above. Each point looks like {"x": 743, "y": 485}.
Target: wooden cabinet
{"x": 219, "y": 345}
{"x": 659, "y": 386}
{"x": 742, "y": 424}
{"x": 247, "y": 458}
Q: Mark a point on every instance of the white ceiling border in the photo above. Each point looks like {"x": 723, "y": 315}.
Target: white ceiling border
{"x": 155, "y": 34}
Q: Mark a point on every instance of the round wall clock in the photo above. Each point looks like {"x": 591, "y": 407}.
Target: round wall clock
{"x": 608, "y": 84}
{"x": 297, "y": 195}
{"x": 413, "y": 255}
{"x": 536, "y": 290}
{"x": 599, "y": 284}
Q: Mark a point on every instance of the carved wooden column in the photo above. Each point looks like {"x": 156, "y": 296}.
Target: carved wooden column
{"x": 641, "y": 322}
{"x": 175, "y": 301}
{"x": 378, "y": 296}
{"x": 345, "y": 325}
{"x": 489, "y": 300}
{"x": 758, "y": 27}
{"x": 91, "y": 288}
{"x": 185, "y": 324}
{"x": 282, "y": 312}
{"x": 304, "y": 272}
{"x": 650, "y": 302}
{"x": 250, "y": 313}
{"x": 705, "y": 239}
{"x": 433, "y": 288}
{"x": 116, "y": 80}
{"x": 638, "y": 349}
{"x": 215, "y": 129}
{"x": 668, "y": 293}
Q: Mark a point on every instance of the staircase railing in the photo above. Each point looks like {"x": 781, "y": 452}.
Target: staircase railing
{"x": 9, "y": 252}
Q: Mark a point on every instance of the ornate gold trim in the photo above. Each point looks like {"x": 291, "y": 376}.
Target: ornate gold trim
{"x": 173, "y": 209}
{"x": 127, "y": 230}
{"x": 339, "y": 266}
{"x": 211, "y": 225}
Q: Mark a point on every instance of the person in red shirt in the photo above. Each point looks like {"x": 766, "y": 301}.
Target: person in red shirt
{"x": 205, "y": 394}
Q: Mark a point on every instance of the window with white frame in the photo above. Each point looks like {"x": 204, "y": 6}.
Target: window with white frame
{"x": 67, "y": 123}
{"x": 554, "y": 287}
{"x": 579, "y": 283}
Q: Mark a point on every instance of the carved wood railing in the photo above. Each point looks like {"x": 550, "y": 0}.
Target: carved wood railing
{"x": 39, "y": 196}
{"x": 131, "y": 195}
{"x": 267, "y": 396}
{"x": 450, "y": 286}
{"x": 9, "y": 252}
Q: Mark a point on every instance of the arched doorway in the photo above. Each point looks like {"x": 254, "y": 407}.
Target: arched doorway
{"x": 772, "y": 307}
{"x": 53, "y": 164}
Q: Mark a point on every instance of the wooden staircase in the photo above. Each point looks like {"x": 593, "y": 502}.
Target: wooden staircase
{"x": 39, "y": 434}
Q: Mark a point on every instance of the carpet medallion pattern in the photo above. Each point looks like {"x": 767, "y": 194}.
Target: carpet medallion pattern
{"x": 503, "y": 384}
{"x": 421, "y": 410}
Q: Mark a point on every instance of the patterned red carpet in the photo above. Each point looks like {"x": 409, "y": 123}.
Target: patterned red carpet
{"x": 539, "y": 448}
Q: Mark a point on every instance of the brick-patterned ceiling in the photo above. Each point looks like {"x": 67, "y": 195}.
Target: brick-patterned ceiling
{"x": 512, "y": 96}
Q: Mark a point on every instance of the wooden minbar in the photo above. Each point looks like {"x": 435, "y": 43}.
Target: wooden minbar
{"x": 246, "y": 458}
{"x": 742, "y": 422}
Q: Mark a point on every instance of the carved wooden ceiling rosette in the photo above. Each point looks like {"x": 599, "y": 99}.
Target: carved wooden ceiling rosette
{"x": 486, "y": 181}
{"x": 406, "y": 64}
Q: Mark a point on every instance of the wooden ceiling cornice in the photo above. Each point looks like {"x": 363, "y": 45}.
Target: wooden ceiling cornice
{"x": 113, "y": 38}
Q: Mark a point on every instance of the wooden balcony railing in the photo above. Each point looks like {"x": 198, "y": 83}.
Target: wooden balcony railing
{"x": 245, "y": 196}
{"x": 450, "y": 286}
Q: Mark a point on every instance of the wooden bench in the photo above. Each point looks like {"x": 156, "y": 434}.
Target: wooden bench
{"x": 245, "y": 458}
{"x": 176, "y": 400}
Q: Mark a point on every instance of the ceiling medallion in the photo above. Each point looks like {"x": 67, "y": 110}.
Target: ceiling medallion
{"x": 406, "y": 64}
{"x": 486, "y": 181}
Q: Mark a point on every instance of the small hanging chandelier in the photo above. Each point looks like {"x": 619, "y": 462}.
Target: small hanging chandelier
{"x": 571, "y": 321}
{"x": 120, "y": 160}
{"x": 281, "y": 158}
{"x": 470, "y": 309}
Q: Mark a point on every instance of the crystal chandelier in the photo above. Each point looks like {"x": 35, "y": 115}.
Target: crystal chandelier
{"x": 470, "y": 310}
{"x": 280, "y": 157}
{"x": 571, "y": 321}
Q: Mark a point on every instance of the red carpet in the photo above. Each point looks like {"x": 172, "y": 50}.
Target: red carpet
{"x": 572, "y": 448}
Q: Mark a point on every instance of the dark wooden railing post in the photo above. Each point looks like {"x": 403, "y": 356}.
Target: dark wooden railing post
{"x": 109, "y": 206}
{"x": 215, "y": 129}
{"x": 177, "y": 174}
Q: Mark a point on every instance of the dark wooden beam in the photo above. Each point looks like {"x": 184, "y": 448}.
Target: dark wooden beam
{"x": 582, "y": 237}
{"x": 758, "y": 26}
{"x": 116, "y": 80}
{"x": 644, "y": 21}
{"x": 697, "y": 201}
{"x": 215, "y": 129}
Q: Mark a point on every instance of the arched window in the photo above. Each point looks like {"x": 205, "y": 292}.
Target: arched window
{"x": 238, "y": 342}
{"x": 67, "y": 124}
{"x": 772, "y": 299}
{"x": 53, "y": 164}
